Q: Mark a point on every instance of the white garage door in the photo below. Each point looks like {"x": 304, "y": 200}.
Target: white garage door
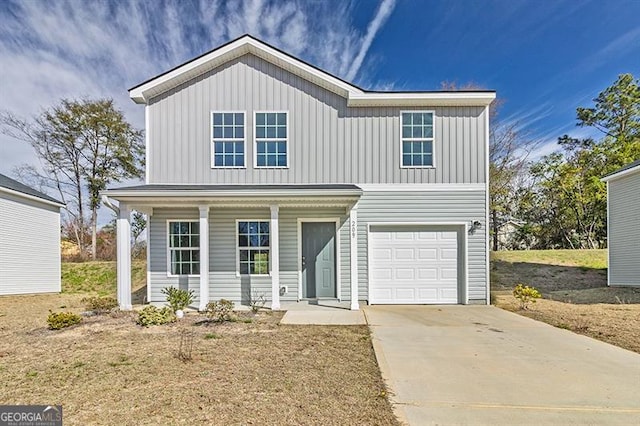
{"x": 413, "y": 267}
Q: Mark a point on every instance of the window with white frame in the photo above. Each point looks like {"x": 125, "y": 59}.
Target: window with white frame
{"x": 228, "y": 139}
{"x": 184, "y": 247}
{"x": 417, "y": 139}
{"x": 253, "y": 247}
{"x": 271, "y": 139}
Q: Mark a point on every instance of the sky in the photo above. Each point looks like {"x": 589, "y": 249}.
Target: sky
{"x": 544, "y": 58}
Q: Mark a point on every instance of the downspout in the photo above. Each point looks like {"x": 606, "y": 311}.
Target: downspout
{"x": 107, "y": 202}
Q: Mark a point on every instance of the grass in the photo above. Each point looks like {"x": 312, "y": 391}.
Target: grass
{"x": 575, "y": 293}
{"x": 108, "y": 370}
{"x": 98, "y": 278}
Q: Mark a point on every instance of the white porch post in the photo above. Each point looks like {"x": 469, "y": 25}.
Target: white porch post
{"x": 353, "y": 237}
{"x": 274, "y": 236}
{"x": 123, "y": 236}
{"x": 204, "y": 257}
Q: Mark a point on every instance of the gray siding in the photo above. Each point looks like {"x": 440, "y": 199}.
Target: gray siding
{"x": 224, "y": 282}
{"x": 328, "y": 142}
{"x": 624, "y": 230}
{"x": 424, "y": 206}
{"x": 29, "y": 246}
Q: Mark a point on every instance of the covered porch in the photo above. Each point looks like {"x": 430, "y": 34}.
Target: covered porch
{"x": 244, "y": 238}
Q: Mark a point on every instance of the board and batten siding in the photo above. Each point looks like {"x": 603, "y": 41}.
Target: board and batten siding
{"x": 29, "y": 246}
{"x": 224, "y": 282}
{"x": 624, "y": 230}
{"x": 328, "y": 141}
{"x": 427, "y": 207}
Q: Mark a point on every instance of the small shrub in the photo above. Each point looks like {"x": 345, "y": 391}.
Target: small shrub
{"x": 100, "y": 305}
{"x": 151, "y": 315}
{"x": 526, "y": 295}
{"x": 210, "y": 336}
{"x": 256, "y": 301}
{"x": 220, "y": 311}
{"x": 59, "y": 320}
{"x": 178, "y": 299}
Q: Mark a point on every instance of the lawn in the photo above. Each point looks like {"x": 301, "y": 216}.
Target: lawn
{"x": 109, "y": 370}
{"x": 573, "y": 284}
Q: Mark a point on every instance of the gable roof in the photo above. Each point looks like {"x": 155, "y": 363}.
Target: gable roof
{"x": 13, "y": 186}
{"x": 355, "y": 96}
{"x": 623, "y": 171}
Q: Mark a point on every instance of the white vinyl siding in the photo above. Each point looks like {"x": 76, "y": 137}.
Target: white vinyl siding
{"x": 29, "y": 246}
{"x": 624, "y": 230}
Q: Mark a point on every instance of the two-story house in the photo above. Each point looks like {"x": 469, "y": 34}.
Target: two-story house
{"x": 268, "y": 176}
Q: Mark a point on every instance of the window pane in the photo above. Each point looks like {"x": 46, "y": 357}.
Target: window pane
{"x": 271, "y": 118}
{"x": 428, "y": 118}
{"x": 406, "y": 147}
{"x": 228, "y": 132}
{"x": 417, "y": 132}
{"x": 406, "y": 160}
{"x": 195, "y": 241}
{"x": 406, "y": 118}
{"x": 406, "y": 131}
{"x": 239, "y": 148}
{"x": 184, "y": 241}
{"x": 264, "y": 227}
{"x": 260, "y": 119}
{"x": 217, "y": 119}
{"x": 244, "y": 255}
{"x": 253, "y": 227}
{"x": 186, "y": 256}
{"x": 264, "y": 241}
{"x": 186, "y": 270}
{"x": 195, "y": 268}
{"x": 217, "y": 132}
{"x": 195, "y": 255}
{"x": 239, "y": 119}
{"x": 227, "y": 119}
{"x": 417, "y": 147}
{"x": 417, "y": 160}
{"x": 243, "y": 227}
{"x": 184, "y": 227}
{"x": 271, "y": 147}
{"x": 260, "y": 132}
{"x": 427, "y": 160}
{"x": 239, "y": 132}
{"x": 428, "y": 132}
{"x": 175, "y": 256}
{"x": 243, "y": 241}
{"x": 244, "y": 268}
{"x": 261, "y": 161}
{"x": 282, "y": 160}
{"x": 175, "y": 227}
{"x": 195, "y": 227}
{"x": 282, "y": 118}
{"x": 271, "y": 132}
{"x": 271, "y": 161}
{"x": 417, "y": 119}
{"x": 239, "y": 161}
{"x": 261, "y": 147}
{"x": 427, "y": 147}
{"x": 282, "y": 132}
{"x": 254, "y": 241}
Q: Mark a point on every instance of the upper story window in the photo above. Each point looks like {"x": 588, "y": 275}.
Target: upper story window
{"x": 417, "y": 139}
{"x": 184, "y": 247}
{"x": 228, "y": 139}
{"x": 271, "y": 139}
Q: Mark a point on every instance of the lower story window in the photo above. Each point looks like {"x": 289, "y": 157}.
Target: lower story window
{"x": 184, "y": 247}
{"x": 253, "y": 247}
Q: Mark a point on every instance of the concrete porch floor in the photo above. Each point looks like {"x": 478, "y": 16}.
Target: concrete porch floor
{"x": 321, "y": 312}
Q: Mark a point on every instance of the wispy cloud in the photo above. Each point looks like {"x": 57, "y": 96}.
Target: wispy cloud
{"x": 75, "y": 48}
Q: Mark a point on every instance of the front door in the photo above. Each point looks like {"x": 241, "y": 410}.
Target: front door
{"x": 318, "y": 259}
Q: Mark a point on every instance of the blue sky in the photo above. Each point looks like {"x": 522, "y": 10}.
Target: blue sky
{"x": 544, "y": 57}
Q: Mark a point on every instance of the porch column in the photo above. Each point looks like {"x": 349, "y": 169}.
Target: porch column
{"x": 204, "y": 257}
{"x": 123, "y": 256}
{"x": 353, "y": 237}
{"x": 274, "y": 236}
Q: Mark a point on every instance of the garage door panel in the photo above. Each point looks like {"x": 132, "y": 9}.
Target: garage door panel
{"x": 413, "y": 267}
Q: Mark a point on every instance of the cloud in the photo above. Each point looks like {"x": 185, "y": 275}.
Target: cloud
{"x": 76, "y": 49}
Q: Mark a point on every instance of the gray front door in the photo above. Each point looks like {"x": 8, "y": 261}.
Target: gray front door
{"x": 318, "y": 259}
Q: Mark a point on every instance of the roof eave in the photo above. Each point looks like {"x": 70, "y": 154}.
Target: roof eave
{"x": 31, "y": 197}
{"x": 199, "y": 194}
{"x": 416, "y": 99}
{"x": 620, "y": 174}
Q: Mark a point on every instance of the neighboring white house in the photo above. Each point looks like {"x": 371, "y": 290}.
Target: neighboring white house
{"x": 29, "y": 240}
{"x": 268, "y": 175}
{"x": 623, "y": 225}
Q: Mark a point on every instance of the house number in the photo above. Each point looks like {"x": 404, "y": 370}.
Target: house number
{"x": 354, "y": 228}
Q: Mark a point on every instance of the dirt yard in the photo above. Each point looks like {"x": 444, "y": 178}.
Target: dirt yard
{"x": 573, "y": 284}
{"x": 108, "y": 370}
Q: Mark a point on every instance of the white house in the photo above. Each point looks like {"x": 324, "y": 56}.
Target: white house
{"x": 29, "y": 240}
{"x": 623, "y": 225}
{"x": 266, "y": 174}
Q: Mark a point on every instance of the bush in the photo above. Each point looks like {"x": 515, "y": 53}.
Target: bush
{"x": 220, "y": 311}
{"x": 59, "y": 320}
{"x": 151, "y": 315}
{"x": 178, "y": 299}
{"x": 100, "y": 305}
{"x": 526, "y": 295}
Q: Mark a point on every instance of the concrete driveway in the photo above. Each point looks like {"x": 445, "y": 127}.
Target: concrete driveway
{"x": 483, "y": 365}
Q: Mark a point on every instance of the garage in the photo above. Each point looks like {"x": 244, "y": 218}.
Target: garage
{"x": 419, "y": 264}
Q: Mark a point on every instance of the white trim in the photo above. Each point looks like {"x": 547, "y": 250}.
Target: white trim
{"x": 621, "y": 174}
{"x": 336, "y": 256}
{"x": 413, "y": 187}
{"x": 168, "y": 247}
{"x": 353, "y": 256}
{"x": 204, "y": 256}
{"x": 211, "y": 144}
{"x": 148, "y": 230}
{"x": 608, "y": 240}
{"x": 417, "y": 99}
{"x": 464, "y": 235}
{"x": 147, "y": 160}
{"x": 238, "y": 274}
{"x": 355, "y": 96}
{"x": 255, "y": 139}
{"x": 274, "y": 256}
{"x": 123, "y": 258}
{"x": 487, "y": 248}
{"x": 411, "y": 139}
{"x": 30, "y": 197}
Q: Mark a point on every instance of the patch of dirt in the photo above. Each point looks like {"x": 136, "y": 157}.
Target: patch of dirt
{"x": 618, "y": 324}
{"x": 108, "y": 370}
